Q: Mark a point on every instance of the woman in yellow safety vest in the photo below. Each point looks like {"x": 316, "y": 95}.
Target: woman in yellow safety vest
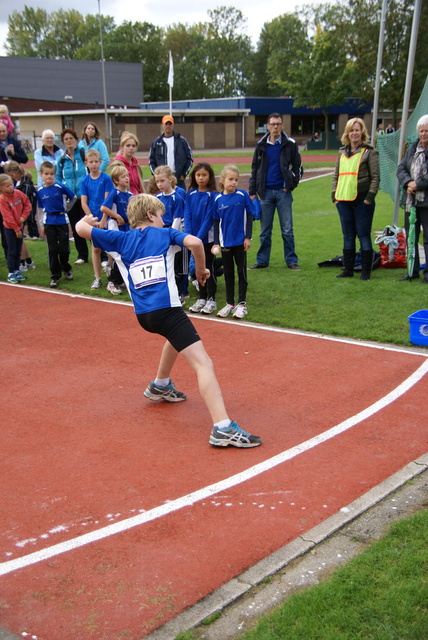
{"x": 355, "y": 185}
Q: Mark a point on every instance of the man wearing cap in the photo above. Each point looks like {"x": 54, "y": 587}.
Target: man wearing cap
{"x": 172, "y": 149}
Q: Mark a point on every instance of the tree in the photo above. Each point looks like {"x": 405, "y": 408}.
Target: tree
{"x": 228, "y": 51}
{"x": 325, "y": 78}
{"x": 26, "y": 31}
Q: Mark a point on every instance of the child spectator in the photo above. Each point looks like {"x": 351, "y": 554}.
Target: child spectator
{"x": 115, "y": 217}
{"x": 52, "y": 198}
{"x": 198, "y": 221}
{"x": 24, "y": 182}
{"x": 173, "y": 217}
{"x": 126, "y": 155}
{"x": 94, "y": 189}
{"x": 15, "y": 208}
{"x": 147, "y": 251}
{"x": 233, "y": 224}
{"x": 5, "y": 118}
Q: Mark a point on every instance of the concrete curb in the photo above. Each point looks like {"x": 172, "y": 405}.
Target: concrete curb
{"x": 236, "y": 588}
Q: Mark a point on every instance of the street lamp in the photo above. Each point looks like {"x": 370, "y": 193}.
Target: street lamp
{"x": 104, "y": 79}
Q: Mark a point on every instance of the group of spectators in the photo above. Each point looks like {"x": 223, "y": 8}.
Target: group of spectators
{"x": 275, "y": 173}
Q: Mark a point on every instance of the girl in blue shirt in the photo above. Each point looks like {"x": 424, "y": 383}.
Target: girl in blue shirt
{"x": 198, "y": 220}
{"x": 233, "y": 224}
{"x": 146, "y": 255}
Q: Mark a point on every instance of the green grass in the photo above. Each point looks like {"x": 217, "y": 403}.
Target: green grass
{"x": 312, "y": 299}
{"x": 380, "y": 595}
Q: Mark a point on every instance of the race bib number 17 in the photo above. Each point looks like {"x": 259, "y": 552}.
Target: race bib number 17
{"x": 148, "y": 271}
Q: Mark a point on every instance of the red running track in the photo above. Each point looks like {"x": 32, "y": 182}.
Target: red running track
{"x": 98, "y": 539}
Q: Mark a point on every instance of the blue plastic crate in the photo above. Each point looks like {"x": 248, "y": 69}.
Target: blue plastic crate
{"x": 419, "y": 327}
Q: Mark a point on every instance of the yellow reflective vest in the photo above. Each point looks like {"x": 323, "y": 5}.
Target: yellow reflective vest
{"x": 347, "y": 183}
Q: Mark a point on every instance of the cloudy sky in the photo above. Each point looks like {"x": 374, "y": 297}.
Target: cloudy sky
{"x": 165, "y": 13}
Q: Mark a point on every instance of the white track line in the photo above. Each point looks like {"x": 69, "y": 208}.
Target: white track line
{"x": 206, "y": 492}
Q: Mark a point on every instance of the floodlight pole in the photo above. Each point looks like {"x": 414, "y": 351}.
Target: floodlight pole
{"x": 104, "y": 81}
{"x": 378, "y": 71}
{"x": 406, "y": 100}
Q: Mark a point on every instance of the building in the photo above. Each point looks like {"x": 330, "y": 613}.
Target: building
{"x": 70, "y": 92}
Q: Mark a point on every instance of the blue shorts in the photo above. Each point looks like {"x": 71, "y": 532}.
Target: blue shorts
{"x": 171, "y": 323}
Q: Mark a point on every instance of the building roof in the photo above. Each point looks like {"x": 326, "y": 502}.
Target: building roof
{"x": 256, "y": 106}
{"x": 71, "y": 81}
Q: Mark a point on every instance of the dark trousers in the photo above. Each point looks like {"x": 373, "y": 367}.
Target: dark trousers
{"x": 232, "y": 256}
{"x": 75, "y": 214}
{"x": 58, "y": 249}
{"x": 14, "y": 246}
{"x": 356, "y": 218}
{"x": 33, "y": 229}
{"x": 421, "y": 222}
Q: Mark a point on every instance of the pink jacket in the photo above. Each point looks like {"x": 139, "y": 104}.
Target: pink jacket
{"x": 13, "y": 207}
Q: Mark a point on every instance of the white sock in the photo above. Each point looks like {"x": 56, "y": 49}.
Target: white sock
{"x": 223, "y": 424}
{"x": 162, "y": 382}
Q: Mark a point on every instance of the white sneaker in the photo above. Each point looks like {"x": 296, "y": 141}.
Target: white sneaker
{"x": 199, "y": 304}
{"x": 223, "y": 313}
{"x": 97, "y": 284}
{"x": 31, "y": 265}
{"x": 210, "y": 306}
{"x": 240, "y": 310}
{"x": 115, "y": 291}
{"x": 79, "y": 261}
{"x": 23, "y": 267}
{"x": 195, "y": 284}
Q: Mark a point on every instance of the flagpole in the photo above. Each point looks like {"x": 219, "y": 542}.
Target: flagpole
{"x": 170, "y": 81}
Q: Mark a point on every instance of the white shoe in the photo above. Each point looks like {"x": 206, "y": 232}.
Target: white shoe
{"x": 240, "y": 310}
{"x": 23, "y": 267}
{"x": 223, "y": 313}
{"x": 199, "y": 304}
{"x": 210, "y": 306}
{"x": 31, "y": 265}
{"x": 115, "y": 291}
{"x": 195, "y": 284}
{"x": 79, "y": 261}
{"x": 97, "y": 284}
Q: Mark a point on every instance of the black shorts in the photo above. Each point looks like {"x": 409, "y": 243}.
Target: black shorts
{"x": 171, "y": 323}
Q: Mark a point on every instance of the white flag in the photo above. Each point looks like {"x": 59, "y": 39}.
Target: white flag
{"x": 171, "y": 71}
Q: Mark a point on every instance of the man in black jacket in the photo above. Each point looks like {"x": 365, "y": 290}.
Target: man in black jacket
{"x": 10, "y": 148}
{"x": 173, "y": 150}
{"x": 275, "y": 171}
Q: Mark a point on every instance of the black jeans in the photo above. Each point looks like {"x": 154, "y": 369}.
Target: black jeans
{"x": 58, "y": 249}
{"x": 238, "y": 256}
{"x": 74, "y": 215}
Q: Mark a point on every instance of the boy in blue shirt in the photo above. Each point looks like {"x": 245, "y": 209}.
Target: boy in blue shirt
{"x": 52, "y": 197}
{"x": 147, "y": 251}
{"x": 94, "y": 189}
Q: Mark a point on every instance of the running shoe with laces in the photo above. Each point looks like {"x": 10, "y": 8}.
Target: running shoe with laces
{"x": 210, "y": 306}
{"x": 223, "y": 313}
{"x": 240, "y": 310}
{"x": 12, "y": 278}
{"x": 233, "y": 436}
{"x": 69, "y": 275}
{"x": 18, "y": 275}
{"x": 23, "y": 267}
{"x": 115, "y": 291}
{"x": 53, "y": 284}
{"x": 198, "y": 306}
{"x": 97, "y": 284}
{"x": 168, "y": 393}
